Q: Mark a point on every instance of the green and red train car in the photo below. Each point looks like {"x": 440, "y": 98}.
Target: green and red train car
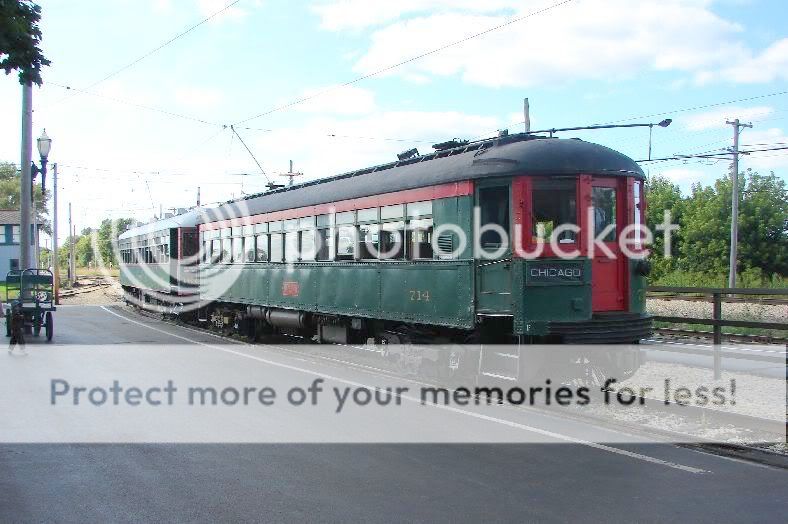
{"x": 305, "y": 259}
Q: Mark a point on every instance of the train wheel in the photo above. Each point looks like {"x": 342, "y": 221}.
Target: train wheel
{"x": 49, "y": 326}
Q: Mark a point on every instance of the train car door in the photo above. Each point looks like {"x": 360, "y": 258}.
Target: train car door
{"x": 606, "y": 217}
{"x": 493, "y": 277}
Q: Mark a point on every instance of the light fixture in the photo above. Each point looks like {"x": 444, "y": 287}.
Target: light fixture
{"x": 44, "y": 145}
{"x": 666, "y": 122}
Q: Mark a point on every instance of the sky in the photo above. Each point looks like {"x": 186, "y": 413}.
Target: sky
{"x": 140, "y": 130}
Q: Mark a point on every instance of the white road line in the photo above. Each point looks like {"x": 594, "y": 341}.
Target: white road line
{"x": 508, "y": 423}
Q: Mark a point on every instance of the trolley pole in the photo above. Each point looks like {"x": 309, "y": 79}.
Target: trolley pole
{"x": 55, "y": 257}
{"x": 26, "y": 182}
{"x": 734, "y": 202}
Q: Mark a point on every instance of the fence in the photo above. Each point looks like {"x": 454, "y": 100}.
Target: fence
{"x": 717, "y": 296}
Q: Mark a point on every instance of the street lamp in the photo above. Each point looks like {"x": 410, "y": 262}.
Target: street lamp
{"x": 44, "y": 145}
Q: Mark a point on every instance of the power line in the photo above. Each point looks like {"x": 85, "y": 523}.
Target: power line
{"x": 158, "y": 48}
{"x": 133, "y": 104}
{"x": 250, "y": 153}
{"x": 407, "y": 61}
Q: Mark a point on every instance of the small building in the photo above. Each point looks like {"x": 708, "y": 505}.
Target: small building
{"x": 9, "y": 240}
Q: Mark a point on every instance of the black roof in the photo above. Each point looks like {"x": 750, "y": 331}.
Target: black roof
{"x": 505, "y": 156}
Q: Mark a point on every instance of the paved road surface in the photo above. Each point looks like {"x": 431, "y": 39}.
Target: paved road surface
{"x": 375, "y": 483}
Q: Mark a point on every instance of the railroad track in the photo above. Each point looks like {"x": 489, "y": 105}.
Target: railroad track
{"x": 726, "y": 300}
{"x": 732, "y": 337}
{"x": 85, "y": 285}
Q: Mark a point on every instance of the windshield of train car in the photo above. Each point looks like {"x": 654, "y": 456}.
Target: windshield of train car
{"x": 554, "y": 204}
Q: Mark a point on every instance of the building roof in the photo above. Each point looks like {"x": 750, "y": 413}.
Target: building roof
{"x": 505, "y": 156}
{"x": 10, "y": 216}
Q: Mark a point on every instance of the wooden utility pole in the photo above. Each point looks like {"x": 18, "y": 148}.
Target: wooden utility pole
{"x": 71, "y": 266}
{"x": 55, "y": 257}
{"x": 734, "y": 202}
{"x": 26, "y": 184}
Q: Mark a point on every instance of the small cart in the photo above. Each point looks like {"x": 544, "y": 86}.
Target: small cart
{"x": 31, "y": 292}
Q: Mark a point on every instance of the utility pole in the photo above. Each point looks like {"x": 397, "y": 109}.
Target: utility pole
{"x": 526, "y": 115}
{"x": 71, "y": 266}
{"x": 55, "y": 258}
{"x": 26, "y": 182}
{"x": 734, "y": 201}
{"x": 198, "y": 196}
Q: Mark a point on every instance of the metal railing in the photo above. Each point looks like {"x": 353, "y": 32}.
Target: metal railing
{"x": 717, "y": 322}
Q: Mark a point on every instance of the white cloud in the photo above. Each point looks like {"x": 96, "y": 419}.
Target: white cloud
{"x": 194, "y": 97}
{"x": 349, "y": 100}
{"x": 767, "y": 66}
{"x": 716, "y": 119}
{"x": 596, "y": 39}
{"x": 372, "y": 139}
{"x": 340, "y": 15}
{"x": 683, "y": 176}
{"x": 764, "y": 139}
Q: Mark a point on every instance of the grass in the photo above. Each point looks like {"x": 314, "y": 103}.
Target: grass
{"x": 749, "y": 278}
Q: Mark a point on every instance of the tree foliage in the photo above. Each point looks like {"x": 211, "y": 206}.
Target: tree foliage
{"x": 20, "y": 40}
{"x": 10, "y": 179}
{"x": 702, "y": 244}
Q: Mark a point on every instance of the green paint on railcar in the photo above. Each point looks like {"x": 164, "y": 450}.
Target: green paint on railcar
{"x": 154, "y": 277}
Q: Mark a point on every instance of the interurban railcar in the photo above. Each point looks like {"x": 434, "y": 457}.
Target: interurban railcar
{"x": 306, "y": 259}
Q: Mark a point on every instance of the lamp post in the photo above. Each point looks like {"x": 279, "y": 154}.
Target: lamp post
{"x": 44, "y": 144}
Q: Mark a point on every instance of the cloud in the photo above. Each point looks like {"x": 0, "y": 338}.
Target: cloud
{"x": 194, "y": 97}
{"x": 359, "y": 14}
{"x": 764, "y": 139}
{"x": 683, "y": 176}
{"x": 592, "y": 39}
{"x": 328, "y": 145}
{"x": 349, "y": 100}
{"x": 716, "y": 119}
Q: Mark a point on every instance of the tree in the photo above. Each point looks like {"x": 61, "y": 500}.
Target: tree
{"x": 20, "y": 39}
{"x": 10, "y": 178}
{"x": 108, "y": 237}
{"x": 663, "y": 195}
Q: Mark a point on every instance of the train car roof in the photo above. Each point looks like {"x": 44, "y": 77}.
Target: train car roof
{"x": 188, "y": 219}
{"x": 504, "y": 156}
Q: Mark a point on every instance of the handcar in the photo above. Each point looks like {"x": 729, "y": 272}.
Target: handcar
{"x": 30, "y": 295}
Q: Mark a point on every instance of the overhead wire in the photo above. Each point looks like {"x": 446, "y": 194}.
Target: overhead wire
{"x": 406, "y": 61}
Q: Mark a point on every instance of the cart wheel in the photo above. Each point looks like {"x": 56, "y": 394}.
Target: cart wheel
{"x": 49, "y": 326}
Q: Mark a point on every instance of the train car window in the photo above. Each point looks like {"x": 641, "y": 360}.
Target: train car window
{"x": 238, "y": 250}
{"x": 247, "y": 230}
{"x": 392, "y": 240}
{"x": 494, "y": 209}
{"x": 275, "y": 226}
{"x": 324, "y": 220}
{"x": 261, "y": 228}
{"x": 307, "y": 249}
{"x": 554, "y": 203}
{"x": 249, "y": 248}
{"x": 236, "y": 231}
{"x": 276, "y": 247}
{"x": 291, "y": 224}
{"x": 166, "y": 253}
{"x": 324, "y": 244}
{"x": 392, "y": 212}
{"x": 419, "y": 237}
{"x": 226, "y": 232}
{"x": 306, "y": 222}
{"x": 368, "y": 241}
{"x": 346, "y": 217}
{"x": 604, "y": 201}
{"x": 262, "y": 248}
{"x": 420, "y": 209}
{"x": 368, "y": 215}
{"x": 637, "y": 198}
{"x": 291, "y": 246}
{"x": 227, "y": 250}
{"x": 346, "y": 242}
{"x": 216, "y": 251}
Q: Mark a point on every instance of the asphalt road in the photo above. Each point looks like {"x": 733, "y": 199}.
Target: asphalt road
{"x": 569, "y": 479}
